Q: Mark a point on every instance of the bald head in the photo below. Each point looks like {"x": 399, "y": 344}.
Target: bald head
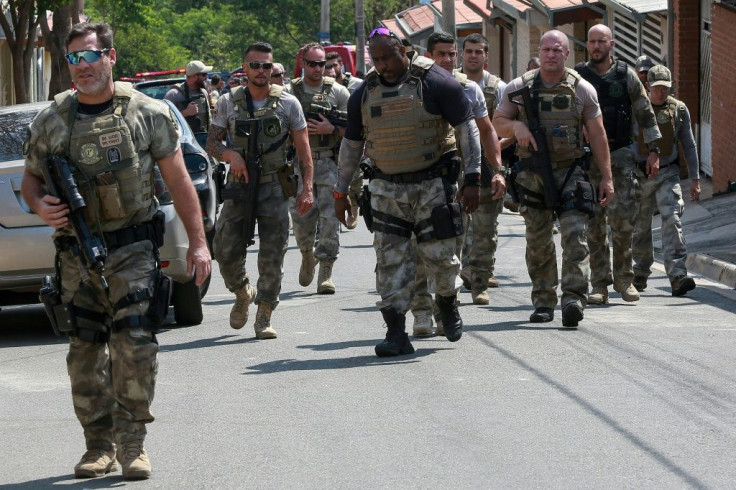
{"x": 557, "y": 37}
{"x": 600, "y": 44}
{"x": 600, "y": 29}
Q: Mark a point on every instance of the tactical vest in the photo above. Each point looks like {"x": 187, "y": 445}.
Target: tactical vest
{"x": 270, "y": 139}
{"x": 200, "y": 122}
{"x": 613, "y": 97}
{"x": 669, "y": 117}
{"x": 317, "y": 142}
{"x": 401, "y": 136}
{"x": 558, "y": 115}
{"x": 490, "y": 92}
{"x": 105, "y": 160}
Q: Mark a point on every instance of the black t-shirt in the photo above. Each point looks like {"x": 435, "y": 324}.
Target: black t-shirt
{"x": 442, "y": 95}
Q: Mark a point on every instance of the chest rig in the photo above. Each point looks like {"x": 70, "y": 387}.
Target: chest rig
{"x": 265, "y": 123}
{"x": 106, "y": 162}
{"x": 200, "y": 122}
{"x": 312, "y": 103}
{"x": 613, "y": 97}
{"x": 401, "y": 136}
{"x": 558, "y": 115}
{"x": 669, "y": 120}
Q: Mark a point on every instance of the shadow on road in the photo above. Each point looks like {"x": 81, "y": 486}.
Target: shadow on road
{"x": 68, "y": 481}
{"x": 26, "y": 325}
{"x": 211, "y": 342}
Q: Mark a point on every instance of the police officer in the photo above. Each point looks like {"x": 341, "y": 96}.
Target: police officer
{"x": 623, "y": 99}
{"x": 346, "y": 79}
{"x": 663, "y": 192}
{"x": 278, "y": 116}
{"x": 565, "y": 104}
{"x": 191, "y": 97}
{"x": 643, "y": 64}
{"x": 112, "y": 135}
{"x": 314, "y": 89}
{"x": 404, "y": 114}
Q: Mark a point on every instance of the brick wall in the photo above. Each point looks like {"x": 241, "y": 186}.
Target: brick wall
{"x": 723, "y": 97}
{"x": 686, "y": 61}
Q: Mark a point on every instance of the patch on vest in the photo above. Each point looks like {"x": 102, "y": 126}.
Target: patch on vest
{"x": 615, "y": 90}
{"x": 271, "y": 127}
{"x": 561, "y": 101}
{"x": 113, "y": 155}
{"x": 111, "y": 139}
{"x": 663, "y": 117}
{"x": 89, "y": 154}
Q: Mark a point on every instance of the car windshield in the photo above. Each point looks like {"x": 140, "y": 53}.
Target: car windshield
{"x": 13, "y": 130}
{"x": 157, "y": 89}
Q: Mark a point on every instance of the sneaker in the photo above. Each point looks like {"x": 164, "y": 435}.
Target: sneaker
{"x": 95, "y": 463}
{"x": 480, "y": 298}
{"x": 262, "y": 325}
{"x": 239, "y": 313}
{"x": 466, "y": 276}
{"x": 629, "y": 294}
{"x": 542, "y": 315}
{"x": 134, "y": 460}
{"x": 572, "y": 313}
{"x": 681, "y": 285}
{"x": 599, "y": 296}
{"x": 423, "y": 324}
{"x": 492, "y": 282}
{"x": 640, "y": 283}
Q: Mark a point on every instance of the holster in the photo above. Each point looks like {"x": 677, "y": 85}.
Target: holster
{"x": 60, "y": 317}
{"x": 583, "y": 198}
{"x": 364, "y": 206}
{"x": 158, "y": 306}
{"x": 447, "y": 220}
{"x": 289, "y": 180}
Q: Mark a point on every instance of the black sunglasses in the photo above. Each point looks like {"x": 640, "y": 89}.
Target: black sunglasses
{"x": 277, "y": 75}
{"x": 255, "y": 65}
{"x": 382, "y": 31}
{"x": 89, "y": 55}
{"x": 312, "y": 64}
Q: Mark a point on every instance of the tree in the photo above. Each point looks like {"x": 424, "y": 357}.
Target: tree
{"x": 64, "y": 17}
{"x": 21, "y": 34}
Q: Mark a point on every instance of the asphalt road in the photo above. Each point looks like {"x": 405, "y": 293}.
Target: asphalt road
{"x": 642, "y": 395}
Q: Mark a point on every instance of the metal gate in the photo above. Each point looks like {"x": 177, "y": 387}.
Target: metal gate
{"x": 634, "y": 39}
{"x": 704, "y": 132}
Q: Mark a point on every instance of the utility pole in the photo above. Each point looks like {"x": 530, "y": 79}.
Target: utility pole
{"x": 324, "y": 23}
{"x": 448, "y": 17}
{"x": 359, "y": 36}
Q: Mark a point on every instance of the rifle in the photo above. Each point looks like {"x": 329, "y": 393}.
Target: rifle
{"x": 539, "y": 162}
{"x": 248, "y": 193}
{"x": 337, "y": 118}
{"x": 61, "y": 183}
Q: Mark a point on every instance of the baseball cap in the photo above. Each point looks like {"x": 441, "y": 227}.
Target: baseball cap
{"x": 659, "y": 75}
{"x": 196, "y": 66}
{"x": 644, "y": 63}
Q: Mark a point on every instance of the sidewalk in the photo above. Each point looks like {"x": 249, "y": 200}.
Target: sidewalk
{"x": 710, "y": 233}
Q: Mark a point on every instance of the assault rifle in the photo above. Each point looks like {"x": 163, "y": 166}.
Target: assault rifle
{"x": 61, "y": 183}
{"x": 540, "y": 161}
{"x": 337, "y": 118}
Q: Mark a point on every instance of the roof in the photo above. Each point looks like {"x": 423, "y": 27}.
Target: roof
{"x": 480, "y": 7}
{"x": 558, "y": 11}
{"x": 464, "y": 15}
{"x": 636, "y": 8}
{"x": 419, "y": 18}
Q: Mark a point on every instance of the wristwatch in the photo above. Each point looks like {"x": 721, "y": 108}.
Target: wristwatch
{"x": 654, "y": 149}
{"x": 339, "y": 195}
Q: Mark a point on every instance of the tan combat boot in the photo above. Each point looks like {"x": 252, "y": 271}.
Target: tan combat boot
{"x": 262, "y": 326}
{"x": 480, "y": 298}
{"x": 134, "y": 460}
{"x": 492, "y": 282}
{"x": 423, "y": 324}
{"x": 629, "y": 293}
{"x": 94, "y": 463}
{"x": 352, "y": 221}
{"x": 239, "y": 313}
{"x": 599, "y": 296}
{"x": 306, "y": 272}
{"x": 326, "y": 286}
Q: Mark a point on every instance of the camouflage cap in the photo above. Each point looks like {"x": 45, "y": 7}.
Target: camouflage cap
{"x": 659, "y": 75}
{"x": 644, "y": 63}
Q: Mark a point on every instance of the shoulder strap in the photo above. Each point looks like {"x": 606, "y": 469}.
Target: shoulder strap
{"x": 460, "y": 77}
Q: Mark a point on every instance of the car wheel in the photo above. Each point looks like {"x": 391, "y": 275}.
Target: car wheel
{"x": 187, "y": 302}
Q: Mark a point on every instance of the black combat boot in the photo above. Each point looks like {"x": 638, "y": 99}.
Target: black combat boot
{"x": 451, "y": 320}
{"x": 397, "y": 341}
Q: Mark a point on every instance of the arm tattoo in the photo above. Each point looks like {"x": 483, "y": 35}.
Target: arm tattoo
{"x": 215, "y": 137}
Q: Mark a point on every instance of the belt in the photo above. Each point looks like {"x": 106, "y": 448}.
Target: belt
{"x": 525, "y": 163}
{"x": 265, "y": 178}
{"x": 319, "y": 154}
{"x": 643, "y": 163}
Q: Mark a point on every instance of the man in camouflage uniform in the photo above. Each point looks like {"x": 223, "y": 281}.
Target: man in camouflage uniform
{"x": 565, "y": 103}
{"x": 404, "y": 114}
{"x": 643, "y": 64}
{"x": 663, "y": 192}
{"x": 276, "y": 115}
{"x": 623, "y": 100}
{"x": 312, "y": 90}
{"x": 441, "y": 49}
{"x": 191, "y": 97}
{"x": 111, "y": 135}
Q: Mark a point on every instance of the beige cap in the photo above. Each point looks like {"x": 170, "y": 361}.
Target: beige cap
{"x": 196, "y": 66}
{"x": 659, "y": 75}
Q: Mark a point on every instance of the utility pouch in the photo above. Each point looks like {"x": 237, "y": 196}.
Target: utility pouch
{"x": 111, "y": 203}
{"x": 59, "y": 313}
{"x": 158, "y": 306}
{"x": 447, "y": 220}
{"x": 364, "y": 206}
{"x": 289, "y": 180}
{"x": 585, "y": 198}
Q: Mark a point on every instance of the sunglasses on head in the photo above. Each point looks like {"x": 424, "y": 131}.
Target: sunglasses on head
{"x": 382, "y": 31}
{"x": 89, "y": 55}
{"x": 255, "y": 65}
{"x": 312, "y": 64}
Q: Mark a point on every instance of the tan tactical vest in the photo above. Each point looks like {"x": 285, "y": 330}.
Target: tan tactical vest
{"x": 270, "y": 140}
{"x": 401, "y": 136}
{"x": 558, "y": 115}
{"x": 317, "y": 142}
{"x": 490, "y": 92}
{"x": 668, "y": 117}
{"x": 106, "y": 163}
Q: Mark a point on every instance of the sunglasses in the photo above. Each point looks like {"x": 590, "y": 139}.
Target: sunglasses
{"x": 312, "y": 64}
{"x": 90, "y": 56}
{"x": 382, "y": 31}
{"x": 330, "y": 65}
{"x": 255, "y": 65}
{"x": 277, "y": 75}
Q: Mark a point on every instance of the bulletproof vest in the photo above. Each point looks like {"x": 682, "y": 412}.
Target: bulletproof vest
{"x": 490, "y": 92}
{"x": 558, "y": 114}
{"x": 270, "y": 141}
{"x": 613, "y": 97}
{"x": 317, "y": 142}
{"x": 669, "y": 117}
{"x": 105, "y": 160}
{"x": 401, "y": 136}
{"x": 200, "y": 122}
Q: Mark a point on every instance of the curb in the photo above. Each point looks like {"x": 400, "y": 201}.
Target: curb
{"x": 712, "y": 268}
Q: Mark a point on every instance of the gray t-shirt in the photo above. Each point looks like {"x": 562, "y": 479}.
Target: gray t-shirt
{"x": 477, "y": 101}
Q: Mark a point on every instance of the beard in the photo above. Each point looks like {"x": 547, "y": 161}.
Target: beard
{"x": 98, "y": 86}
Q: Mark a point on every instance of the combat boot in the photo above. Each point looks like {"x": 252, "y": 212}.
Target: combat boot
{"x": 572, "y": 313}
{"x": 134, "y": 460}
{"x": 262, "y": 325}
{"x": 467, "y": 277}
{"x": 492, "y": 282}
{"x": 480, "y": 298}
{"x": 306, "y": 271}
{"x": 640, "y": 283}
{"x": 239, "y": 313}
{"x": 451, "y": 321}
{"x": 352, "y": 221}
{"x": 396, "y": 342}
{"x": 542, "y": 315}
{"x": 326, "y": 286}
{"x": 599, "y": 296}
{"x": 438, "y": 321}
{"x": 423, "y": 324}
{"x": 681, "y": 285}
{"x": 628, "y": 293}
{"x": 95, "y": 463}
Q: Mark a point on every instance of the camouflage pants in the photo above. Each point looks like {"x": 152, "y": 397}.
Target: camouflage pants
{"x": 113, "y": 383}
{"x": 541, "y": 257}
{"x": 482, "y": 240}
{"x": 272, "y": 217}
{"x": 396, "y": 267}
{"x": 621, "y": 214}
{"x": 665, "y": 194}
{"x": 322, "y": 214}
